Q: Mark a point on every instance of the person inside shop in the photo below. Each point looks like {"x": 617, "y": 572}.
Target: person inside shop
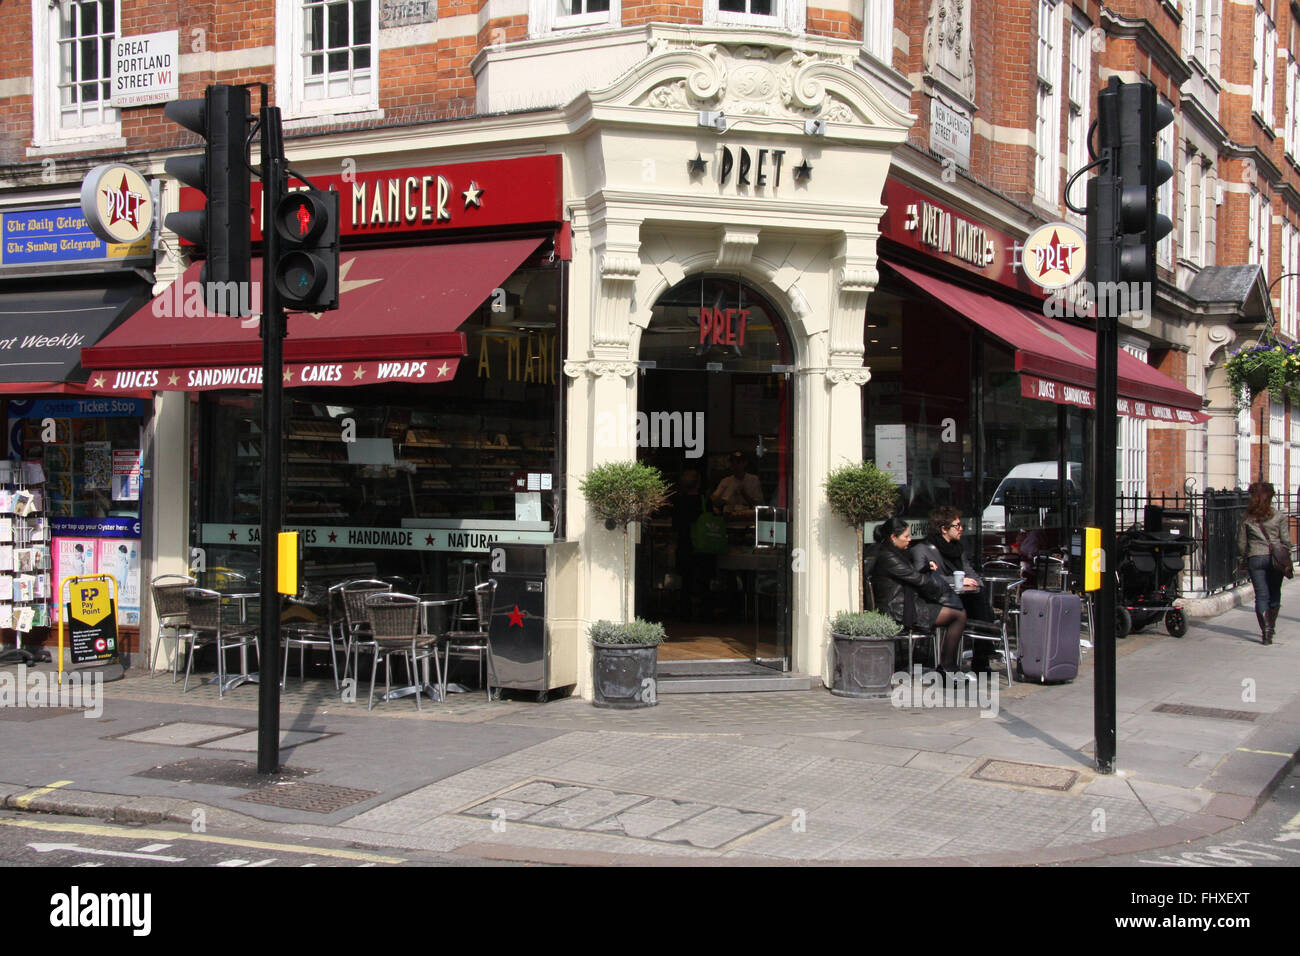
{"x": 694, "y": 568}
{"x": 942, "y": 549}
{"x": 740, "y": 490}
{"x": 910, "y": 597}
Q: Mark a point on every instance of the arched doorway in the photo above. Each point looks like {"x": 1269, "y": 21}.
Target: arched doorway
{"x": 714, "y": 415}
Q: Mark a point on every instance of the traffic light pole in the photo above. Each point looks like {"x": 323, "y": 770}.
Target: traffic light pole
{"x": 274, "y": 183}
{"x": 1107, "y": 426}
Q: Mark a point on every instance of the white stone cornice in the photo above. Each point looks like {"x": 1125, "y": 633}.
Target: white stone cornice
{"x": 619, "y": 268}
{"x": 848, "y": 376}
{"x": 861, "y": 280}
{"x": 596, "y": 368}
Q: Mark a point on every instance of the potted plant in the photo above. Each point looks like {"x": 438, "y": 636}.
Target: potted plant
{"x": 625, "y": 656}
{"x": 1267, "y": 366}
{"x": 625, "y": 663}
{"x": 864, "y": 653}
{"x": 863, "y": 642}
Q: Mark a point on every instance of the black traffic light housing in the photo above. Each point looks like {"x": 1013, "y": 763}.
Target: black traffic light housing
{"x": 307, "y": 263}
{"x": 222, "y": 173}
{"x": 1123, "y": 224}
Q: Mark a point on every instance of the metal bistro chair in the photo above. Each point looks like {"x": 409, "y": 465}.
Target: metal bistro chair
{"x": 395, "y": 629}
{"x": 305, "y": 635}
{"x": 353, "y": 596}
{"x": 474, "y": 642}
{"x": 911, "y": 636}
{"x": 206, "y": 620}
{"x": 468, "y": 570}
{"x": 168, "y": 592}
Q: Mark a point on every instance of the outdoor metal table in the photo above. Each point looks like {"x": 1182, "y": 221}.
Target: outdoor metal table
{"x": 241, "y": 599}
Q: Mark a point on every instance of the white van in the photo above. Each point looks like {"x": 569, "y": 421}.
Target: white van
{"x": 1034, "y": 480}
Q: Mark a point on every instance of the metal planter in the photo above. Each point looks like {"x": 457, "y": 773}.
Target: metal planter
{"x": 624, "y": 675}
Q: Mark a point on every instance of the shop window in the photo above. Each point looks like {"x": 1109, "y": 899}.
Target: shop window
{"x": 72, "y": 44}
{"x": 1293, "y": 464}
{"x": 1131, "y": 458}
{"x": 1245, "y": 425}
{"x": 326, "y": 58}
{"x": 395, "y": 478}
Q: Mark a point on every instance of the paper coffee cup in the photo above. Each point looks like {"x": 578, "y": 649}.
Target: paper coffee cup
{"x": 958, "y": 580}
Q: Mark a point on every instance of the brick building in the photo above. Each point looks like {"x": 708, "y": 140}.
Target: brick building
{"x": 856, "y": 178}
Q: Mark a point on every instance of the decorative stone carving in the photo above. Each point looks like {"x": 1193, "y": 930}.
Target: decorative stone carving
{"x": 858, "y": 280}
{"x": 737, "y": 246}
{"x": 848, "y": 376}
{"x": 598, "y": 367}
{"x": 949, "y": 46}
{"x": 1217, "y": 337}
{"x": 619, "y": 268}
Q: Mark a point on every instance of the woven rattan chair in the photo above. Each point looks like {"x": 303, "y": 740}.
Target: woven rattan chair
{"x": 353, "y": 596}
{"x": 394, "y": 629}
{"x": 169, "y": 608}
{"x": 203, "y": 608}
{"x": 476, "y": 642}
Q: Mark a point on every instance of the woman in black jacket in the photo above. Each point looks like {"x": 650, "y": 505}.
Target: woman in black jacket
{"x": 909, "y": 596}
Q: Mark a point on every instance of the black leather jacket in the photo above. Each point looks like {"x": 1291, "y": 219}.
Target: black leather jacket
{"x": 902, "y": 592}
{"x": 924, "y": 551}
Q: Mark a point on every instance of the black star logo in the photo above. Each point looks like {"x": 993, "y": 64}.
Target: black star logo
{"x": 333, "y": 537}
{"x": 234, "y": 536}
{"x": 696, "y": 165}
{"x": 803, "y": 172}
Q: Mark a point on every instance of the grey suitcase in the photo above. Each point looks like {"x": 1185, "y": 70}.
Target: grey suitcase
{"x": 1049, "y": 635}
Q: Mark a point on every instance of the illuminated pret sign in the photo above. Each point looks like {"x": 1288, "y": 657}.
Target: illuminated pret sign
{"x": 945, "y": 231}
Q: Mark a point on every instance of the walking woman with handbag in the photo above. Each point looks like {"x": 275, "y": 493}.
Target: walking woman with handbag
{"x": 1264, "y": 548}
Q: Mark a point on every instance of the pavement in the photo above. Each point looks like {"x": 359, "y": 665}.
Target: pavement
{"x": 1207, "y": 726}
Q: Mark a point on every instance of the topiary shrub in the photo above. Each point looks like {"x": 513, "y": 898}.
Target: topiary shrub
{"x": 623, "y": 492}
{"x": 858, "y": 494}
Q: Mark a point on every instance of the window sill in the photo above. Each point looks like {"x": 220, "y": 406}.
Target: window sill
{"x": 80, "y": 145}
{"x": 1263, "y": 125}
{"x": 301, "y": 120}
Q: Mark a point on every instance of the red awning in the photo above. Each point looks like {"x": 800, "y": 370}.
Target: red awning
{"x": 397, "y": 309}
{"x": 1057, "y": 360}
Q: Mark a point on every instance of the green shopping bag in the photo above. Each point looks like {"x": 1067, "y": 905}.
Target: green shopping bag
{"x": 709, "y": 532}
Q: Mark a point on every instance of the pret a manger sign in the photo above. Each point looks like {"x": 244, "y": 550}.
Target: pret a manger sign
{"x": 723, "y": 326}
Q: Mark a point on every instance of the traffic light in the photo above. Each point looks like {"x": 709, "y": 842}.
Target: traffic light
{"x": 222, "y": 173}
{"x": 1123, "y": 225}
{"x": 307, "y": 265}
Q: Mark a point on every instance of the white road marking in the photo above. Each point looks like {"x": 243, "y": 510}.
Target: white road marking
{"x": 75, "y": 848}
{"x": 153, "y": 848}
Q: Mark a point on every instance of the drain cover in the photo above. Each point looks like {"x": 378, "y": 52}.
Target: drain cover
{"x": 223, "y": 773}
{"x": 1026, "y": 774}
{"x": 312, "y": 797}
{"x": 1191, "y": 710}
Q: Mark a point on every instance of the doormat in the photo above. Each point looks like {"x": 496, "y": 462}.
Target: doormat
{"x": 1036, "y": 775}
{"x": 309, "y": 796}
{"x": 241, "y": 774}
{"x": 1192, "y": 710}
{"x": 586, "y": 809}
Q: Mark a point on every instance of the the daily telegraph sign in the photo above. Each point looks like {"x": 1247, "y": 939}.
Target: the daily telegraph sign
{"x": 488, "y": 194}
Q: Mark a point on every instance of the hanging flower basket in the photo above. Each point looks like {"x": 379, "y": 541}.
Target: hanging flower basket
{"x": 1268, "y": 366}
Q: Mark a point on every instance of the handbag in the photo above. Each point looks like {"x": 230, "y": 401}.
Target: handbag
{"x": 950, "y": 596}
{"x": 709, "y": 532}
{"x": 1278, "y": 553}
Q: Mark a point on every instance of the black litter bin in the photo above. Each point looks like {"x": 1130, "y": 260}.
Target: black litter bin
{"x": 520, "y": 653}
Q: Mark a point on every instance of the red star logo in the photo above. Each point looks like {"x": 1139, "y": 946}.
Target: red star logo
{"x": 516, "y": 617}
{"x": 1055, "y": 256}
{"x": 429, "y": 540}
{"x": 123, "y": 204}
{"x": 333, "y": 537}
{"x": 234, "y": 536}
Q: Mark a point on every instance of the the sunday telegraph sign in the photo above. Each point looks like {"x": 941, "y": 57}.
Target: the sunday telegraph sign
{"x": 505, "y": 192}
{"x": 920, "y": 222}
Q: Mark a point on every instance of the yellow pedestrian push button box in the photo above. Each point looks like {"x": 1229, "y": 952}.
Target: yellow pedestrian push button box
{"x": 1096, "y": 561}
{"x": 288, "y": 562}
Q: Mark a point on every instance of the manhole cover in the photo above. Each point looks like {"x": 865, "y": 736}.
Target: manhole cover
{"x": 1026, "y": 774}
{"x": 1191, "y": 710}
{"x": 312, "y": 797}
{"x": 223, "y": 773}
{"x": 180, "y": 733}
{"x": 25, "y": 714}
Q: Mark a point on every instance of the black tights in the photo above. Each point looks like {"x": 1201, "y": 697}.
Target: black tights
{"x": 954, "y": 623}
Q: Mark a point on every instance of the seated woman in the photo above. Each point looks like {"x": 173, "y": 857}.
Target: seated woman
{"x": 911, "y": 597}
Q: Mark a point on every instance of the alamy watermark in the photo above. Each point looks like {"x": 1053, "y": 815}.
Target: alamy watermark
{"x": 652, "y": 430}
{"x": 193, "y": 299}
{"x": 933, "y": 689}
{"x": 80, "y": 689}
{"x": 1078, "y": 300}
{"x": 76, "y": 909}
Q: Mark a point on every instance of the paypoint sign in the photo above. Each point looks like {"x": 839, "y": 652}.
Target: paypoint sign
{"x": 93, "y": 620}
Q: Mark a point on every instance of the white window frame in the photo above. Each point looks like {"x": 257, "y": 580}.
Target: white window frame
{"x": 1189, "y": 245}
{"x": 1288, "y": 109}
{"x": 1245, "y": 432}
{"x": 1264, "y": 58}
{"x": 787, "y": 14}
{"x": 1265, "y": 232}
{"x": 1078, "y": 92}
{"x": 290, "y": 75}
{"x": 1293, "y": 476}
{"x": 1165, "y": 140}
{"x": 1291, "y": 285}
{"x": 1252, "y": 229}
{"x": 47, "y": 127}
{"x": 544, "y": 18}
{"x": 878, "y": 30}
{"x": 1047, "y": 135}
{"x": 1276, "y": 443}
{"x": 1131, "y": 455}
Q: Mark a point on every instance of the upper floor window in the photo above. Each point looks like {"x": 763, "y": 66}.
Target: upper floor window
{"x": 1047, "y": 139}
{"x": 1201, "y": 33}
{"x": 1264, "y": 58}
{"x": 73, "y": 40}
{"x": 327, "y": 57}
{"x": 878, "y": 30}
{"x": 1080, "y": 89}
{"x": 1165, "y": 191}
{"x": 546, "y": 16}
{"x": 789, "y": 14}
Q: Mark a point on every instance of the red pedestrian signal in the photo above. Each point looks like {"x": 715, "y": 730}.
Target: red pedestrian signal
{"x": 307, "y": 266}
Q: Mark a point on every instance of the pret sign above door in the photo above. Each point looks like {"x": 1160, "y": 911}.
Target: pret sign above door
{"x": 723, "y": 326}
{"x": 117, "y": 203}
{"x": 505, "y": 192}
{"x": 749, "y": 169}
